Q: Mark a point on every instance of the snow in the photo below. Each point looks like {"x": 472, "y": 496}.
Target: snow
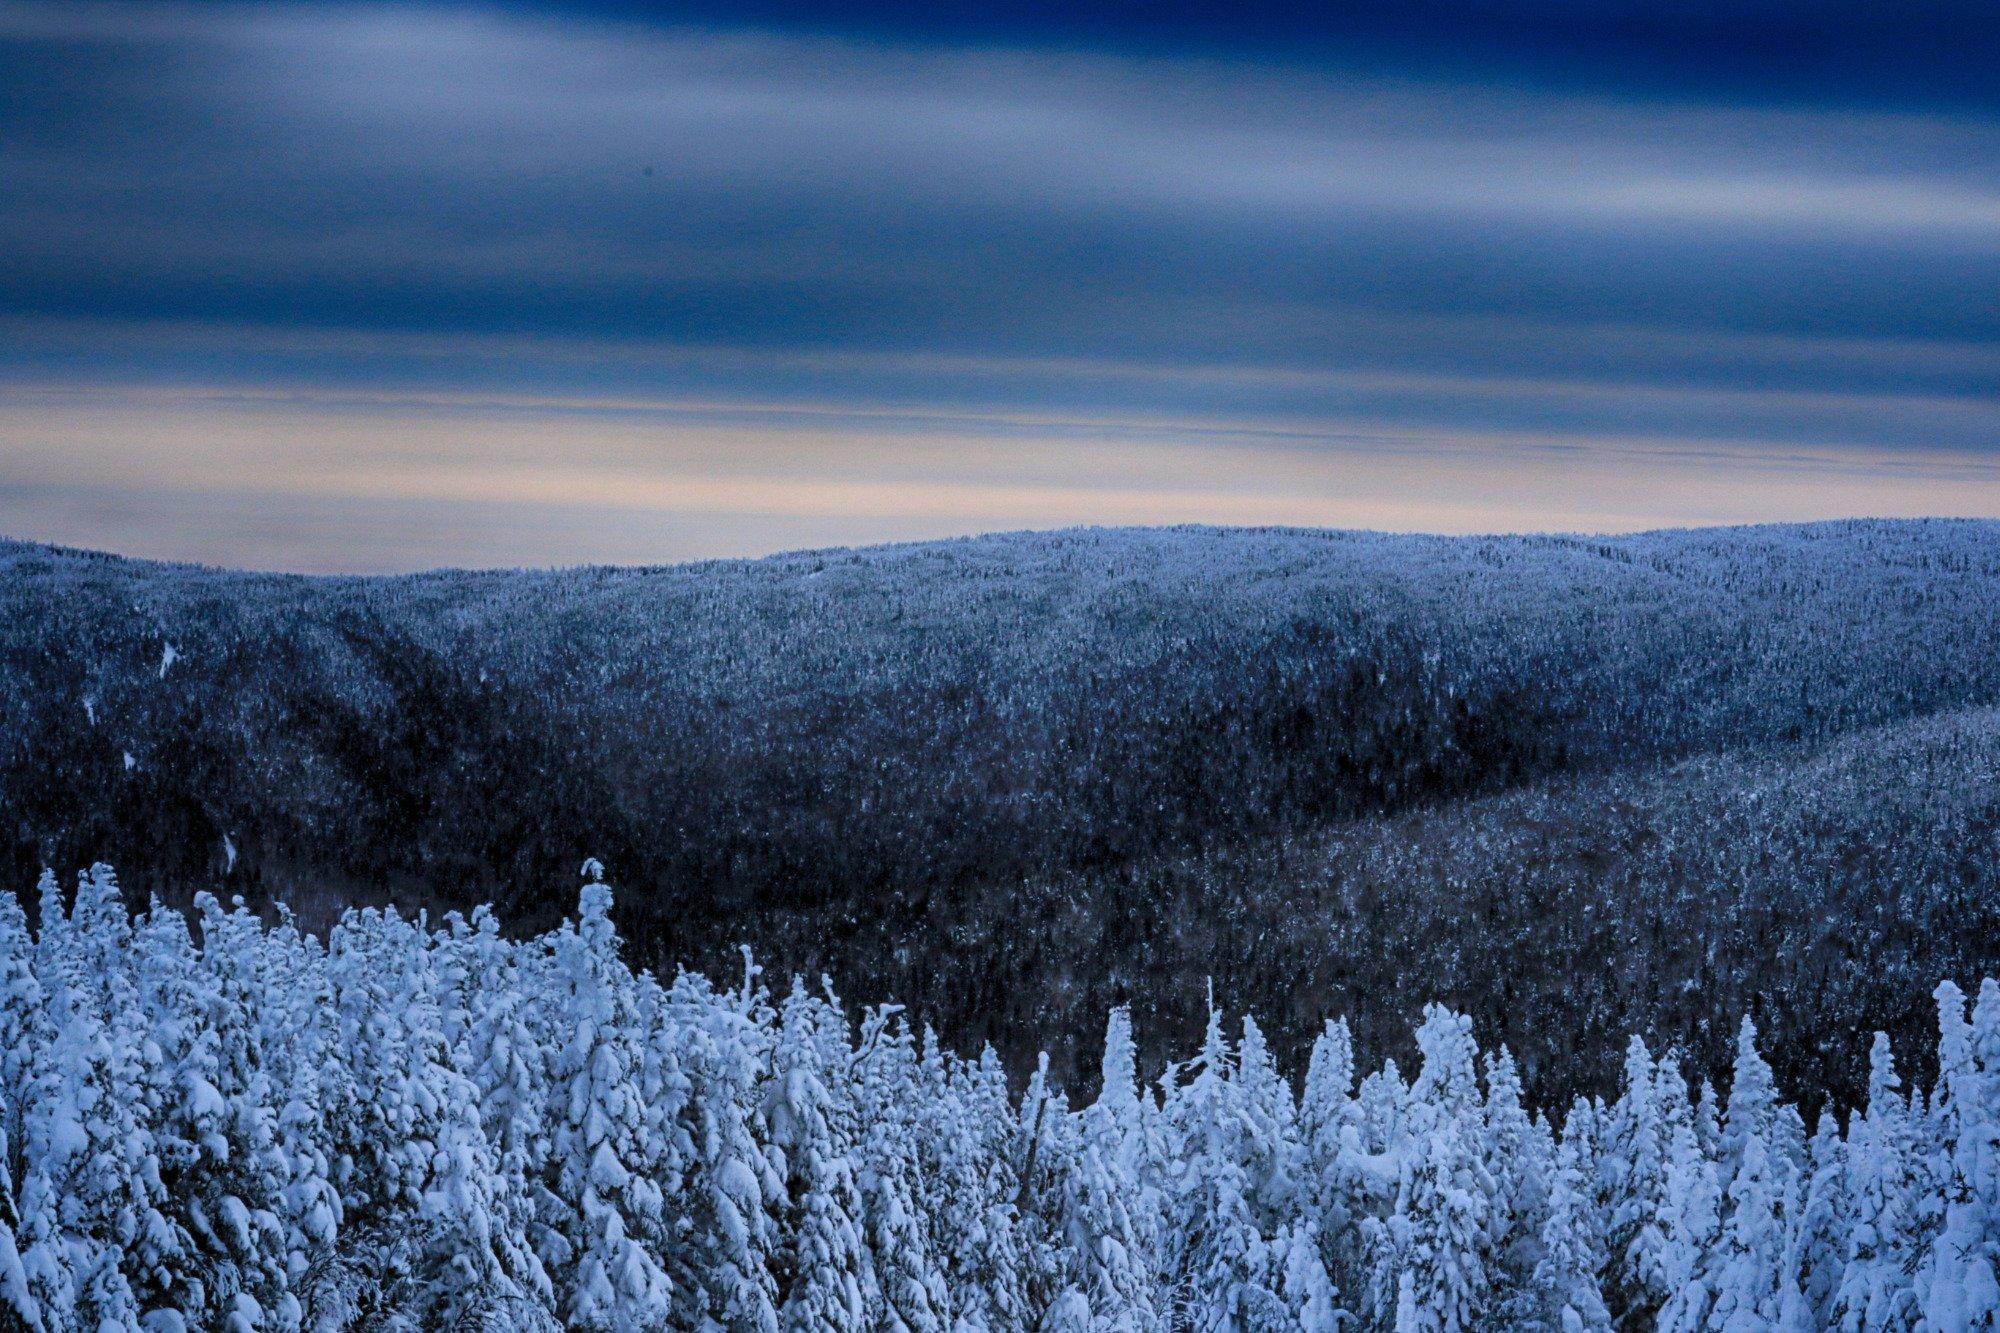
{"x": 533, "y": 1130}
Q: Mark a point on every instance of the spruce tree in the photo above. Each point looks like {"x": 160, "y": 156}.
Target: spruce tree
{"x": 1564, "y": 1280}
{"x": 825, "y": 1274}
{"x": 609, "y": 1274}
{"x": 1881, "y": 1247}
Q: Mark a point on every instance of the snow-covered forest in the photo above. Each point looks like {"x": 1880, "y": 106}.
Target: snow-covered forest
{"x": 1576, "y": 788}
{"x": 419, "y": 1125}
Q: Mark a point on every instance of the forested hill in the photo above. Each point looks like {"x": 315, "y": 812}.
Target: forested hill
{"x": 1019, "y": 778}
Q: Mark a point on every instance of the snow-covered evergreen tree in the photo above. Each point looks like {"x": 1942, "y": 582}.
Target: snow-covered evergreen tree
{"x": 825, "y": 1274}
{"x": 296, "y": 1026}
{"x": 1516, "y": 1153}
{"x": 722, "y": 1262}
{"x": 1222, "y": 1274}
{"x": 1690, "y": 1221}
{"x": 1345, "y": 1187}
{"x": 608, "y": 1268}
{"x": 1747, "y": 1267}
{"x": 1434, "y": 1264}
{"x": 1875, "y": 1290}
{"x": 415, "y": 1128}
{"x": 1959, "y": 1286}
{"x": 896, "y": 1110}
{"x": 1633, "y": 1183}
{"x": 23, "y": 1019}
{"x": 1816, "y": 1237}
{"x": 1564, "y": 1281}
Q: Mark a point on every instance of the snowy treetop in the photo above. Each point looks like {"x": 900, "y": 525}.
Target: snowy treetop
{"x": 422, "y": 1125}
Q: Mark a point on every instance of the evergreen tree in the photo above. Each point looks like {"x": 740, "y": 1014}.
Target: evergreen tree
{"x": 1220, "y": 1272}
{"x": 1342, "y": 1197}
{"x": 1434, "y": 1268}
{"x": 508, "y": 1069}
{"x": 1516, "y": 1155}
{"x": 18, "y": 1307}
{"x": 1691, "y": 1225}
{"x": 1753, "y": 1104}
{"x": 608, "y": 1271}
{"x": 1565, "y": 1276}
{"x": 1633, "y": 1181}
{"x": 733, "y": 1190}
{"x": 85, "y": 1196}
{"x": 296, "y": 1026}
{"x": 1958, "y": 1286}
{"x": 1749, "y": 1260}
{"x": 825, "y": 1277}
{"x": 1816, "y": 1239}
{"x": 1116, "y": 1206}
{"x": 1875, "y": 1290}
{"x": 188, "y": 1120}
{"x": 895, "y": 1110}
{"x": 23, "y": 1019}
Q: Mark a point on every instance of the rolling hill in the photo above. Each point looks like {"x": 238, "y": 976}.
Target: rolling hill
{"x": 1572, "y": 785}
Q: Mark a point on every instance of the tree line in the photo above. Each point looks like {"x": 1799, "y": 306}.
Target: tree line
{"x": 1012, "y": 782}
{"x": 232, "y": 1124}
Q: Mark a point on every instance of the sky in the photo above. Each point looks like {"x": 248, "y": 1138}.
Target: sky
{"x": 360, "y": 287}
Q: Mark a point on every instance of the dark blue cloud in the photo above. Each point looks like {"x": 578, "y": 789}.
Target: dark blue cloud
{"x": 1851, "y": 52}
{"x": 1690, "y": 219}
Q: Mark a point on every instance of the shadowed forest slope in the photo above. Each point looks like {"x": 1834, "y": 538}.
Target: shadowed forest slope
{"x": 1575, "y": 786}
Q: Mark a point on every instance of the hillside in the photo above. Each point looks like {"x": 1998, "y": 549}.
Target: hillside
{"x": 1652, "y": 780}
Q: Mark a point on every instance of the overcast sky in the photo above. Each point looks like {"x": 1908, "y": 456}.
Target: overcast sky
{"x": 376, "y": 287}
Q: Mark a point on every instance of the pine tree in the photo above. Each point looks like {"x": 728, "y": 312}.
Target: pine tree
{"x": 1633, "y": 1181}
{"x": 1341, "y": 1197}
{"x": 297, "y": 1030}
{"x": 23, "y": 1031}
{"x": 896, "y": 1112}
{"x": 1753, "y": 1104}
{"x": 1220, "y": 1272}
{"x": 825, "y": 1277}
{"x": 1875, "y": 1291}
{"x": 725, "y": 1272}
{"x": 1749, "y": 1260}
{"x": 23, "y": 1027}
{"x": 1816, "y": 1239}
{"x": 1436, "y": 1259}
{"x": 1516, "y": 1154}
{"x": 187, "y": 1118}
{"x": 1959, "y": 1286}
{"x": 508, "y": 1070}
{"x": 610, "y": 1276}
{"x": 1690, "y": 1223}
{"x": 1565, "y": 1275}
{"x": 979, "y": 1181}
{"x": 1117, "y": 1208}
{"x": 96, "y": 1242}
{"x": 18, "y": 1307}
{"x": 84, "y": 1195}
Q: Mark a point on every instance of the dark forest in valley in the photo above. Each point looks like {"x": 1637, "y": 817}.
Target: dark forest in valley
{"x": 1574, "y": 787}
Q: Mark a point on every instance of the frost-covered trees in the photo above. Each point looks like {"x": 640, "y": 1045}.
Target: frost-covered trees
{"x": 231, "y": 1127}
{"x": 21, "y": 1036}
{"x": 826, "y": 1277}
{"x": 1565, "y": 1278}
{"x": 1435, "y": 1265}
{"x": 606, "y": 1139}
{"x": 1063, "y": 740}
